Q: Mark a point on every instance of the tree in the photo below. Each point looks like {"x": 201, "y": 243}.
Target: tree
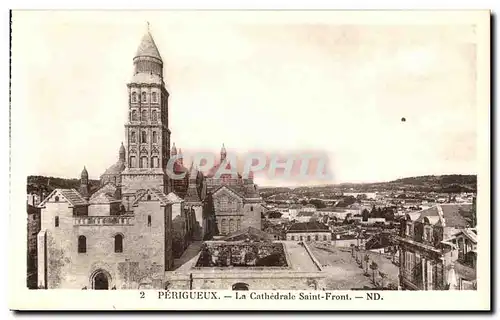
{"x": 383, "y": 276}
{"x": 367, "y": 259}
{"x": 365, "y": 214}
{"x": 374, "y": 267}
{"x": 317, "y": 203}
{"x": 373, "y": 213}
{"x": 303, "y": 202}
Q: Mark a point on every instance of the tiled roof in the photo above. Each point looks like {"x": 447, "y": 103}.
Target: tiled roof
{"x": 164, "y": 199}
{"x": 73, "y": 197}
{"x": 455, "y": 214}
{"x": 148, "y": 48}
{"x": 158, "y": 194}
{"x": 105, "y": 194}
{"x": 308, "y": 227}
{"x": 448, "y": 215}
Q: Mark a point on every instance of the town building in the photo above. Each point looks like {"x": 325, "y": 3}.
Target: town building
{"x": 308, "y": 231}
{"x": 437, "y": 248}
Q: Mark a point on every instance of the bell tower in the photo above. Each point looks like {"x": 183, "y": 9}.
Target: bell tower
{"x": 147, "y": 135}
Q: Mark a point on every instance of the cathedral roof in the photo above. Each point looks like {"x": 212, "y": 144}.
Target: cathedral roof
{"x": 148, "y": 48}
{"x": 105, "y": 194}
{"x": 117, "y": 168}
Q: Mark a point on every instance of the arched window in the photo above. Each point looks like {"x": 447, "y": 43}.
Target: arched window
{"x": 144, "y": 137}
{"x": 149, "y": 220}
{"x": 118, "y": 243}
{"x": 316, "y": 237}
{"x": 134, "y": 115}
{"x": 224, "y": 226}
{"x": 144, "y": 115}
{"x": 144, "y": 162}
{"x": 251, "y": 208}
{"x": 132, "y": 163}
{"x": 56, "y": 199}
{"x": 132, "y": 137}
{"x": 154, "y": 115}
{"x": 155, "y": 137}
{"x": 148, "y": 197}
{"x": 325, "y": 238}
{"x": 232, "y": 226}
{"x": 82, "y": 244}
{"x": 144, "y": 96}
{"x": 293, "y": 238}
{"x": 153, "y": 96}
{"x": 301, "y": 238}
{"x": 154, "y": 162}
{"x": 134, "y": 97}
{"x": 308, "y": 238}
{"x": 56, "y": 222}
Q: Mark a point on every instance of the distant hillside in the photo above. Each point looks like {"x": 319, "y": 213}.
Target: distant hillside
{"x": 454, "y": 183}
{"x": 39, "y": 184}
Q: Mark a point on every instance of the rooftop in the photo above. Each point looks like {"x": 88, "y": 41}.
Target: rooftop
{"x": 311, "y": 226}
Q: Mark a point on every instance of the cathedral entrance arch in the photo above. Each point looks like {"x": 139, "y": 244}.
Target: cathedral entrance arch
{"x": 100, "y": 280}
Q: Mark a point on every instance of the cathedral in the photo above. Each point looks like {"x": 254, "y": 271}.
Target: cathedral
{"x": 126, "y": 234}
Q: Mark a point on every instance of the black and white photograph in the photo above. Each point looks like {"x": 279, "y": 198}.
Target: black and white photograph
{"x": 233, "y": 157}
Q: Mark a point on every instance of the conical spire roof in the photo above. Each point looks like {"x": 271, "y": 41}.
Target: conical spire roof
{"x": 84, "y": 174}
{"x": 148, "y": 48}
{"x": 173, "y": 152}
{"x": 121, "y": 153}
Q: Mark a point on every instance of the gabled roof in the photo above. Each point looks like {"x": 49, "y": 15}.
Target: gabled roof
{"x": 71, "y": 195}
{"x": 105, "y": 194}
{"x": 158, "y": 195}
{"x": 229, "y": 188}
{"x": 308, "y": 227}
{"x": 305, "y": 214}
{"x": 469, "y": 233}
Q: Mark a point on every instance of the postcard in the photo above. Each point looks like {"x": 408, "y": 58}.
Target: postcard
{"x": 250, "y": 160}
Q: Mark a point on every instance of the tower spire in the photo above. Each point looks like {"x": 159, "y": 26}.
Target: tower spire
{"x": 223, "y": 153}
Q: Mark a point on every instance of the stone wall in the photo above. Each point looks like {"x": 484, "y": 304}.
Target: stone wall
{"x": 256, "y": 280}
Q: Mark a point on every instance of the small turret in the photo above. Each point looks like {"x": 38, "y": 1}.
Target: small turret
{"x": 173, "y": 152}
{"x": 223, "y": 153}
{"x": 181, "y": 162}
{"x": 121, "y": 153}
{"x": 84, "y": 184}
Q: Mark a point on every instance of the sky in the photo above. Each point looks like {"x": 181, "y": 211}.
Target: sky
{"x": 268, "y": 83}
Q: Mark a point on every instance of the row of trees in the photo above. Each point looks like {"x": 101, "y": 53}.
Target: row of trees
{"x": 377, "y": 212}
{"x": 363, "y": 260}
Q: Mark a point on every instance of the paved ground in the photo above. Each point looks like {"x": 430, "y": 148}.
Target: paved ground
{"x": 343, "y": 271}
{"x": 192, "y": 251}
{"x": 300, "y": 259}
